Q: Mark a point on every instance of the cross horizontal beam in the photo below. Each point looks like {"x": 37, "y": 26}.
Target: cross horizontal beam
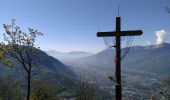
{"x": 121, "y": 33}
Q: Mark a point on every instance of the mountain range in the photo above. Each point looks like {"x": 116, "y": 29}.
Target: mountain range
{"x": 152, "y": 58}
{"x": 68, "y": 55}
{"x": 143, "y": 68}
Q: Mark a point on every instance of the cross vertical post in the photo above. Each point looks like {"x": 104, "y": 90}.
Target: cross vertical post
{"x": 118, "y": 89}
{"x": 118, "y": 33}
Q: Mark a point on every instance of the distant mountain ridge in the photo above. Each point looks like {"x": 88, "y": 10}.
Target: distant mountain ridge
{"x": 68, "y": 55}
{"x": 152, "y": 58}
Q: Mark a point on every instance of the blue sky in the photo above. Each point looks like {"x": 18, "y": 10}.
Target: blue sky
{"x": 71, "y": 25}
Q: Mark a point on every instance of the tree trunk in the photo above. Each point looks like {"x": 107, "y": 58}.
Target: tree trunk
{"x": 28, "y": 84}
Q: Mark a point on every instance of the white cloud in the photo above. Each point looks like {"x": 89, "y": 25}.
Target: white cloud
{"x": 161, "y": 35}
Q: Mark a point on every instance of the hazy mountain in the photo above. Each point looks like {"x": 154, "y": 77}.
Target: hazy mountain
{"x": 68, "y": 55}
{"x": 152, "y": 58}
{"x": 103, "y": 57}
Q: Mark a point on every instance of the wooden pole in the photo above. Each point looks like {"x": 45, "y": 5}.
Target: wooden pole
{"x": 118, "y": 89}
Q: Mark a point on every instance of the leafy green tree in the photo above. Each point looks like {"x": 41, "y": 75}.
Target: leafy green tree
{"x": 163, "y": 93}
{"x": 43, "y": 91}
{"x": 3, "y": 60}
{"x": 20, "y": 47}
{"x": 86, "y": 91}
{"x": 9, "y": 89}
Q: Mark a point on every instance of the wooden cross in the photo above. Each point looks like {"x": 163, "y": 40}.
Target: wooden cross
{"x": 118, "y": 33}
